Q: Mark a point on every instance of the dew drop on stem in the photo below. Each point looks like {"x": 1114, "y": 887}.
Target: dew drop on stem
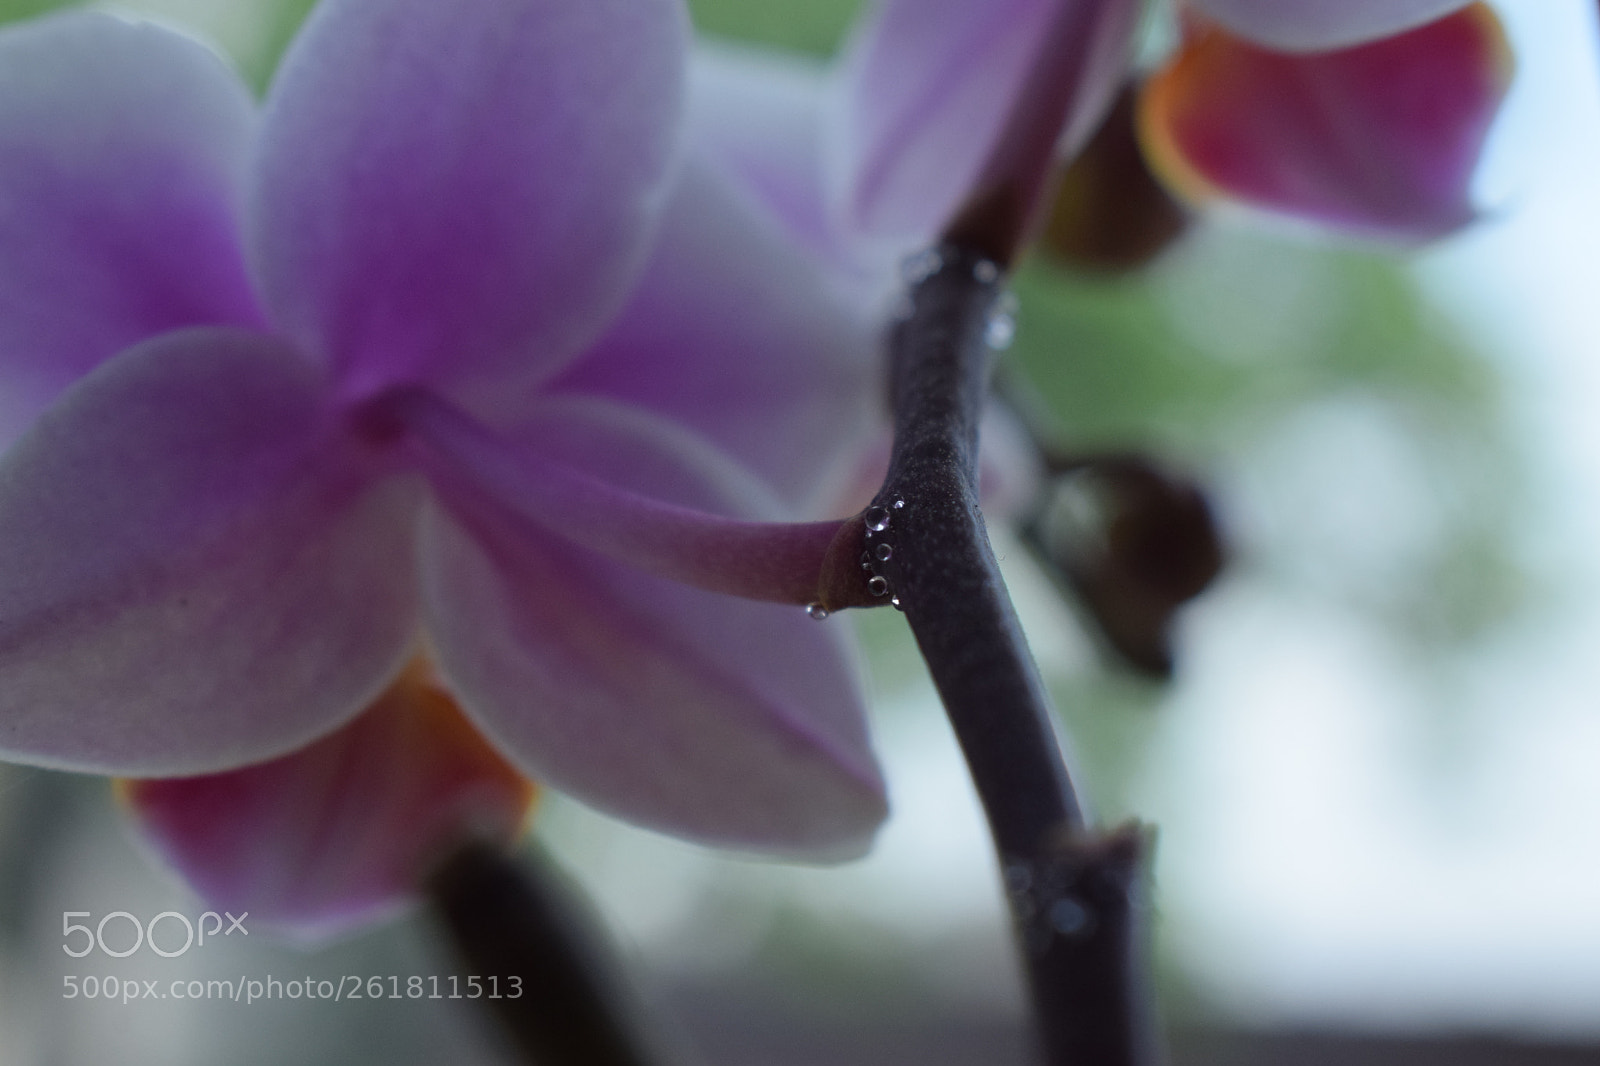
{"x": 1002, "y": 327}
{"x": 922, "y": 266}
{"x": 1070, "y": 918}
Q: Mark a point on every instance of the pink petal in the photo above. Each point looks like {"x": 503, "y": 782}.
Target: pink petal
{"x": 122, "y": 152}
{"x": 462, "y": 191}
{"x": 1319, "y": 25}
{"x": 719, "y": 719}
{"x": 736, "y": 334}
{"x": 931, "y": 85}
{"x": 757, "y": 118}
{"x": 342, "y": 831}
{"x": 200, "y": 568}
{"x": 1381, "y": 139}
{"x": 542, "y": 476}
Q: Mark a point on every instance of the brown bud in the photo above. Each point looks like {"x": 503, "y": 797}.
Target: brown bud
{"x": 1135, "y": 543}
{"x": 1110, "y": 214}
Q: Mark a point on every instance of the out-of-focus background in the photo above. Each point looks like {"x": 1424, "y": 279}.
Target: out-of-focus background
{"x": 1376, "y": 773}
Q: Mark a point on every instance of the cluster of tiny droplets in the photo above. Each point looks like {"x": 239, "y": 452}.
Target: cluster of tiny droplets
{"x": 998, "y": 334}
{"x": 877, "y": 519}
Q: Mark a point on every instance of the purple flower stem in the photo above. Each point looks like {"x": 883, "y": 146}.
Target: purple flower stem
{"x": 512, "y": 920}
{"x": 1075, "y": 894}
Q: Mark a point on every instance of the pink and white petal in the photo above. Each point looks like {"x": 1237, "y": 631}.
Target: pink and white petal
{"x": 739, "y": 335}
{"x": 1321, "y": 25}
{"x": 706, "y": 702}
{"x": 930, "y": 86}
{"x": 201, "y": 567}
{"x": 720, "y": 720}
{"x": 344, "y": 830}
{"x": 601, "y": 476}
{"x": 461, "y": 191}
{"x": 756, "y": 116}
{"x": 122, "y": 157}
{"x": 1380, "y": 139}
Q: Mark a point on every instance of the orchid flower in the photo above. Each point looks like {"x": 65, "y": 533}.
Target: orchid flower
{"x": 341, "y": 832}
{"x": 448, "y": 348}
{"x": 872, "y": 159}
{"x": 863, "y": 164}
{"x": 1366, "y": 116}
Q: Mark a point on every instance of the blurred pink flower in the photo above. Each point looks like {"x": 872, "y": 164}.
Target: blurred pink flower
{"x": 872, "y": 159}
{"x": 445, "y": 347}
{"x": 1366, "y": 116}
{"x": 931, "y": 105}
{"x": 344, "y": 830}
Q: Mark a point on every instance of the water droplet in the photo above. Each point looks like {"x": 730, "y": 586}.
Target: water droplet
{"x": 866, "y": 561}
{"x": 878, "y": 586}
{"x": 817, "y": 611}
{"x": 876, "y": 518}
{"x": 1001, "y": 331}
{"x": 922, "y": 266}
{"x": 884, "y": 553}
{"x": 898, "y": 503}
{"x": 894, "y": 601}
{"x": 986, "y": 272}
{"x": 1070, "y": 918}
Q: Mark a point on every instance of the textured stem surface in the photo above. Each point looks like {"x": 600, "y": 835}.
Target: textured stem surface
{"x": 1074, "y": 894}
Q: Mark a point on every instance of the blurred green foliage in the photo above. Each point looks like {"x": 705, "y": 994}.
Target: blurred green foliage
{"x": 1235, "y": 329}
{"x": 284, "y": 18}
{"x": 10, "y": 10}
{"x": 1237, "y": 335}
{"x": 814, "y": 26}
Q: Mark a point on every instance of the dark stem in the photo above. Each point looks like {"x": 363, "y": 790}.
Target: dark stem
{"x": 1074, "y": 894}
{"x": 524, "y": 926}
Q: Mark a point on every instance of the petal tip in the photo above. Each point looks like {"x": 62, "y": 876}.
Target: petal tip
{"x": 343, "y": 832}
{"x": 1377, "y": 140}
